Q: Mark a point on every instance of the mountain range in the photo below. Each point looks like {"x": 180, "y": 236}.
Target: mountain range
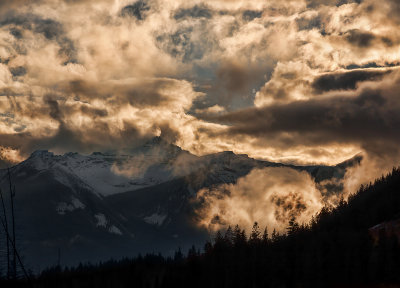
{"x": 74, "y": 208}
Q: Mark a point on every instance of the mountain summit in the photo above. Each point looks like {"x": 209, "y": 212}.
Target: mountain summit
{"x": 103, "y": 205}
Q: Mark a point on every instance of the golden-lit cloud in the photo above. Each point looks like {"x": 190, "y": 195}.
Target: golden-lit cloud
{"x": 311, "y": 81}
{"x": 9, "y": 155}
{"x": 269, "y": 196}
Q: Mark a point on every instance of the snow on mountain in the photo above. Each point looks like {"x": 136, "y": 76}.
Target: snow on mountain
{"x": 155, "y": 219}
{"x": 64, "y": 207}
{"x": 109, "y": 173}
{"x": 102, "y": 205}
{"x": 153, "y": 163}
{"x": 101, "y": 220}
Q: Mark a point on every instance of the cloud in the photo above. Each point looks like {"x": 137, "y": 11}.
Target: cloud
{"x": 249, "y": 15}
{"x": 125, "y": 118}
{"x": 84, "y": 75}
{"x": 9, "y": 4}
{"x": 211, "y": 110}
{"x": 9, "y": 157}
{"x": 360, "y": 38}
{"x": 197, "y": 11}
{"x": 138, "y": 10}
{"x": 269, "y": 196}
{"x": 300, "y": 82}
{"x": 316, "y": 3}
{"x": 49, "y": 28}
{"x": 347, "y": 80}
{"x": 234, "y": 77}
{"x": 367, "y": 116}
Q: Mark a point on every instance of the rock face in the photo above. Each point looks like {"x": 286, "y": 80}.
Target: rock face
{"x": 385, "y": 229}
{"x": 110, "y": 205}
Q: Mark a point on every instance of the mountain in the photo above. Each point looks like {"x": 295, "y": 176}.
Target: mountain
{"x": 355, "y": 244}
{"x": 110, "y": 205}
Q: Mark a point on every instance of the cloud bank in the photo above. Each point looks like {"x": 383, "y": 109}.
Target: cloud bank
{"x": 311, "y": 81}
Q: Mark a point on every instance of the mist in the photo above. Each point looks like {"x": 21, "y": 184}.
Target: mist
{"x": 269, "y": 196}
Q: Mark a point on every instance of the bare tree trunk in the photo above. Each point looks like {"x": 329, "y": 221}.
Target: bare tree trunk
{"x": 16, "y": 252}
{"x": 7, "y": 234}
{"x": 12, "y": 195}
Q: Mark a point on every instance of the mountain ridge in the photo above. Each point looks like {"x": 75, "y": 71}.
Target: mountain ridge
{"x": 103, "y": 205}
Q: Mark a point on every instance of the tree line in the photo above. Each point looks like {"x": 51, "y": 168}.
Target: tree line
{"x": 334, "y": 249}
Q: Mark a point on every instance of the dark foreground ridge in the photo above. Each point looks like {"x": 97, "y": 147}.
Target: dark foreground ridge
{"x": 340, "y": 247}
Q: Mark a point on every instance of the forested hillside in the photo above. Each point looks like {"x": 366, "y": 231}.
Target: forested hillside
{"x": 337, "y": 248}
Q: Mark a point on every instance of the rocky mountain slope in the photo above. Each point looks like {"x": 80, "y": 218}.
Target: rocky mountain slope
{"x": 104, "y": 205}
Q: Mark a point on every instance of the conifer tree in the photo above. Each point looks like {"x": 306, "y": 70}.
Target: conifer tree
{"x": 229, "y": 236}
{"x": 255, "y": 235}
{"x": 274, "y": 236}
{"x": 265, "y": 235}
{"x": 293, "y": 226}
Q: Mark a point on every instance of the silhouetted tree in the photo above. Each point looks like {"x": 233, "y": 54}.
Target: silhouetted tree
{"x": 274, "y": 235}
{"x": 178, "y": 255}
{"x": 334, "y": 250}
{"x": 265, "y": 235}
{"x": 229, "y": 236}
{"x": 255, "y": 235}
{"x": 293, "y": 226}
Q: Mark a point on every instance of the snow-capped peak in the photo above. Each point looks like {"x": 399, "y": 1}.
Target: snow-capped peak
{"x": 110, "y": 173}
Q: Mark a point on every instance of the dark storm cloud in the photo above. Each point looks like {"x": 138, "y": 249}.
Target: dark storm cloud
{"x": 54, "y": 110}
{"x": 197, "y": 11}
{"x": 138, "y": 10}
{"x": 68, "y": 138}
{"x": 16, "y": 32}
{"x": 18, "y": 71}
{"x": 93, "y": 112}
{"x": 345, "y": 80}
{"x": 370, "y": 118}
{"x": 82, "y": 88}
{"x": 236, "y": 53}
{"x": 49, "y": 28}
{"x": 372, "y": 65}
{"x": 316, "y": 3}
{"x": 99, "y": 129}
{"x": 362, "y": 39}
{"x": 308, "y": 24}
{"x": 250, "y": 15}
{"x": 146, "y": 94}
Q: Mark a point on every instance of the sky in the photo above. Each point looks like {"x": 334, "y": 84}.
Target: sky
{"x": 303, "y": 82}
